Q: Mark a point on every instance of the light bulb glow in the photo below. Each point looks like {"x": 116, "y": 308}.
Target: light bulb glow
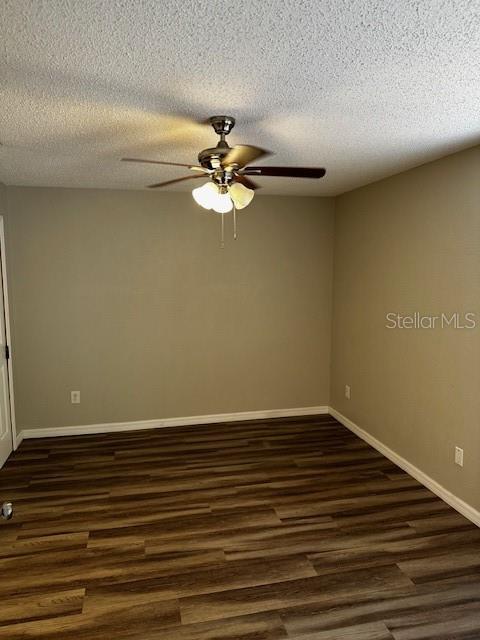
{"x": 206, "y": 195}
{"x": 241, "y": 195}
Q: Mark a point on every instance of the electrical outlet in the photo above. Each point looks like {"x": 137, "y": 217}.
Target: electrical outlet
{"x": 347, "y": 391}
{"x": 75, "y": 397}
{"x": 459, "y": 456}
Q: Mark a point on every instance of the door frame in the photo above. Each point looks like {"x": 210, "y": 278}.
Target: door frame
{"x": 3, "y": 275}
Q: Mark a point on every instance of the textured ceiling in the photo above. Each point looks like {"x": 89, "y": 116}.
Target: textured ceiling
{"x": 364, "y": 88}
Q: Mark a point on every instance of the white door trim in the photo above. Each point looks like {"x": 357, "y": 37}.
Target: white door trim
{"x": 8, "y": 334}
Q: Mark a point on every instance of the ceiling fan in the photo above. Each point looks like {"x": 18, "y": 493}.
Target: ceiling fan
{"x": 228, "y": 170}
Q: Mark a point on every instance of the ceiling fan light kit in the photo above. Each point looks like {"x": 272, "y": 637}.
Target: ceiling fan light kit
{"x": 223, "y": 199}
{"x": 227, "y": 170}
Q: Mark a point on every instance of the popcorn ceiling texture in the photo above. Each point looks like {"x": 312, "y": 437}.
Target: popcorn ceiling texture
{"x": 365, "y": 88}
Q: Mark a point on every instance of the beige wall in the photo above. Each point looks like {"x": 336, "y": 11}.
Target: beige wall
{"x": 412, "y": 243}
{"x": 127, "y": 297}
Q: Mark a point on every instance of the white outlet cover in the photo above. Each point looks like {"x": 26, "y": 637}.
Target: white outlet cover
{"x": 459, "y": 456}
{"x": 75, "y": 397}
{"x": 347, "y": 391}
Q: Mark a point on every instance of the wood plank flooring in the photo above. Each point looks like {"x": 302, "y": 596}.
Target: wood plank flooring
{"x": 289, "y": 528}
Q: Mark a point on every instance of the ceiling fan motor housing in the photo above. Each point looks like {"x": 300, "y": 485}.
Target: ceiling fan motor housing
{"x": 211, "y": 159}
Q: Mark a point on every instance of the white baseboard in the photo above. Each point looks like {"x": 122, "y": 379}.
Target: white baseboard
{"x": 446, "y": 495}
{"x": 110, "y": 427}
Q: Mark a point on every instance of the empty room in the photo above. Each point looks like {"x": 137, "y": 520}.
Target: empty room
{"x": 240, "y": 320}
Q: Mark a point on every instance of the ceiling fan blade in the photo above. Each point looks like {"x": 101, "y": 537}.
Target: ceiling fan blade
{"x": 285, "y": 172}
{"x": 250, "y": 184}
{"x": 170, "y": 164}
{"x": 164, "y": 184}
{"x": 243, "y": 154}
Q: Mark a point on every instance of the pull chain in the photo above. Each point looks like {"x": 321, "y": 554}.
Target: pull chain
{"x": 222, "y": 239}
{"x": 234, "y": 222}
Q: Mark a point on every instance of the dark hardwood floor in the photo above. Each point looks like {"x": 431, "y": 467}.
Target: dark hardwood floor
{"x": 290, "y": 528}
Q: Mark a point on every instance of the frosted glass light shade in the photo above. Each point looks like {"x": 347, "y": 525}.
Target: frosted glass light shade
{"x": 206, "y": 195}
{"x": 241, "y": 195}
{"x": 223, "y": 203}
